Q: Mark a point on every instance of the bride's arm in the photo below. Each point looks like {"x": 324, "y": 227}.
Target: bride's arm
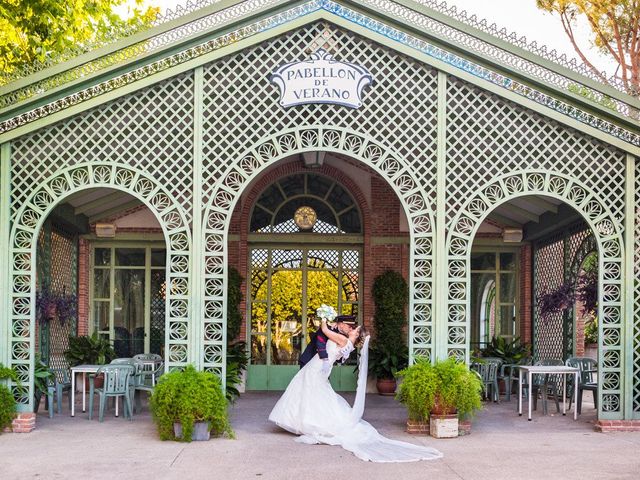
{"x": 338, "y": 338}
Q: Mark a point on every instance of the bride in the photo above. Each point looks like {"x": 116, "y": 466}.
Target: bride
{"x": 309, "y": 407}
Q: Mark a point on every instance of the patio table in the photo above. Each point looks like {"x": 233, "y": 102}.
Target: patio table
{"x": 548, "y": 370}
{"x": 84, "y": 369}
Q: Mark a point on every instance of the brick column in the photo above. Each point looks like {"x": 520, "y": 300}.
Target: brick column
{"x": 526, "y": 294}
{"x": 83, "y": 286}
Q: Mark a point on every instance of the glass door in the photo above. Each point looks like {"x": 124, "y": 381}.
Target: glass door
{"x": 287, "y": 287}
{"x": 128, "y": 297}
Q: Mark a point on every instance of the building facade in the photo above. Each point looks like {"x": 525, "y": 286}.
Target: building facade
{"x": 470, "y": 165}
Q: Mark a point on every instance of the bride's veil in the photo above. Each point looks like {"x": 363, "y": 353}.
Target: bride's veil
{"x": 358, "y": 405}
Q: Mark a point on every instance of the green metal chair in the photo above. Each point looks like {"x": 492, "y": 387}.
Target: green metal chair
{"x": 62, "y": 384}
{"x": 152, "y": 367}
{"x": 586, "y": 379}
{"x": 546, "y": 384}
{"x": 488, "y": 373}
{"x": 116, "y": 384}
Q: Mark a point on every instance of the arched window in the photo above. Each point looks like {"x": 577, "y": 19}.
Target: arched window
{"x": 306, "y": 203}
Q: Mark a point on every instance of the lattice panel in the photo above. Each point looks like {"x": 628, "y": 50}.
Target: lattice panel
{"x": 548, "y": 268}
{"x": 151, "y": 130}
{"x": 64, "y": 279}
{"x": 393, "y": 132}
{"x": 488, "y": 136}
{"x": 557, "y": 259}
{"x": 29, "y": 217}
{"x": 593, "y": 205}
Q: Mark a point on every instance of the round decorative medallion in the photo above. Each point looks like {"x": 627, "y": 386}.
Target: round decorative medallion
{"x": 305, "y": 217}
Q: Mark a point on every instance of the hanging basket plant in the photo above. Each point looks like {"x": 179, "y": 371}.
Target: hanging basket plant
{"x": 51, "y": 305}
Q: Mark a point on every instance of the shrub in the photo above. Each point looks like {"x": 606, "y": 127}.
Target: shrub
{"x": 389, "y": 351}
{"x": 448, "y": 385}
{"x": 187, "y": 397}
{"x": 7, "y": 402}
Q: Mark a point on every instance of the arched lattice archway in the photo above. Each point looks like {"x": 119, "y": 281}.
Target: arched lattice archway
{"x": 401, "y": 176}
{"x": 607, "y": 230}
{"x": 24, "y": 234}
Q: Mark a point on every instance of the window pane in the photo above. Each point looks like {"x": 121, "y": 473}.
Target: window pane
{"x": 158, "y": 257}
{"x": 102, "y": 257}
{"x": 101, "y": 283}
{"x": 130, "y": 257}
{"x": 507, "y": 288}
{"x": 507, "y": 320}
{"x": 507, "y": 261}
{"x": 483, "y": 261}
{"x": 128, "y": 312}
{"x": 101, "y": 316}
{"x": 259, "y": 349}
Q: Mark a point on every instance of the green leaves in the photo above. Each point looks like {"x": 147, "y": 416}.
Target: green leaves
{"x": 389, "y": 352}
{"x": 93, "y": 350}
{"x": 41, "y": 30}
{"x": 187, "y": 397}
{"x": 448, "y": 384}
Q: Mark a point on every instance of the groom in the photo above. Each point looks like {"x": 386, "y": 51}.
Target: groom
{"x": 318, "y": 344}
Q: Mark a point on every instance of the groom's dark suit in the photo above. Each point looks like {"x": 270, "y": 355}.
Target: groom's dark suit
{"x": 318, "y": 344}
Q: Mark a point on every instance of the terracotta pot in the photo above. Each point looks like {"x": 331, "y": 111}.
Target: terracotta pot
{"x": 439, "y": 409}
{"x": 386, "y": 386}
{"x": 97, "y": 383}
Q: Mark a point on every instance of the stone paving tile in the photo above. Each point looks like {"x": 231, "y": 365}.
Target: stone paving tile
{"x": 502, "y": 445}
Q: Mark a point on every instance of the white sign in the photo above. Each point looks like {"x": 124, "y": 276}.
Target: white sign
{"x": 321, "y": 79}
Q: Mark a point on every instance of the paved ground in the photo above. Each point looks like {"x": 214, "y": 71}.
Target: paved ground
{"x": 501, "y": 446}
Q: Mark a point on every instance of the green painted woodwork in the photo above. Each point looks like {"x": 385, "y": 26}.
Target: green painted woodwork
{"x": 262, "y": 377}
{"x": 204, "y": 124}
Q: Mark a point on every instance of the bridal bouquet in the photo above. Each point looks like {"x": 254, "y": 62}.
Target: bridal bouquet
{"x": 326, "y": 312}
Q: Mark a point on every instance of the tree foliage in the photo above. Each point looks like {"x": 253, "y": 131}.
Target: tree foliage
{"x": 615, "y": 25}
{"x": 44, "y": 30}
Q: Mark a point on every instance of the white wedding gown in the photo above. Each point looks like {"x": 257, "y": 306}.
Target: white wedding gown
{"x": 310, "y": 407}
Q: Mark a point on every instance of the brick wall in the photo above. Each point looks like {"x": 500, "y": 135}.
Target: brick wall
{"x": 83, "y": 286}
{"x": 526, "y": 293}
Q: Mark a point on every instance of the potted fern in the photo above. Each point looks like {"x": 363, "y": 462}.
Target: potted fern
{"x": 440, "y": 393}
{"x": 188, "y": 405}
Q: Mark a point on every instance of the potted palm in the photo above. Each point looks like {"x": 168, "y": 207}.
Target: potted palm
{"x": 188, "y": 405}
{"x": 440, "y": 393}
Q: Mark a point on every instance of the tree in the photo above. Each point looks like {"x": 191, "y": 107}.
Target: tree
{"x": 615, "y": 25}
{"x": 48, "y": 30}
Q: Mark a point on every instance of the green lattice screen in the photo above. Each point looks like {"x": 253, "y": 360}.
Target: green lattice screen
{"x": 556, "y": 260}
{"x": 57, "y": 270}
{"x": 245, "y": 129}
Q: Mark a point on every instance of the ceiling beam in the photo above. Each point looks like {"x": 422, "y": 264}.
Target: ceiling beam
{"x": 99, "y": 202}
{"x": 504, "y": 221}
{"x": 114, "y": 211}
{"x": 64, "y": 215}
{"x": 521, "y": 212}
{"x": 541, "y": 203}
{"x": 551, "y": 222}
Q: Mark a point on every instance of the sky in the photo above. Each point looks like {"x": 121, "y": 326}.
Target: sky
{"x": 519, "y": 16}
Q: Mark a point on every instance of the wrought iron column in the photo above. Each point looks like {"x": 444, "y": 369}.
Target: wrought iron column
{"x": 5, "y": 199}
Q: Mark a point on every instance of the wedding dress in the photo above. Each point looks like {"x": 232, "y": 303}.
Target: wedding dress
{"x": 310, "y": 407}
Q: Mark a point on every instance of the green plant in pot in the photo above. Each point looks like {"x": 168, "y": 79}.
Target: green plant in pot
{"x": 188, "y": 401}
{"x": 389, "y": 353}
{"x": 42, "y": 379}
{"x": 89, "y": 350}
{"x": 433, "y": 391}
{"x": 510, "y": 352}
